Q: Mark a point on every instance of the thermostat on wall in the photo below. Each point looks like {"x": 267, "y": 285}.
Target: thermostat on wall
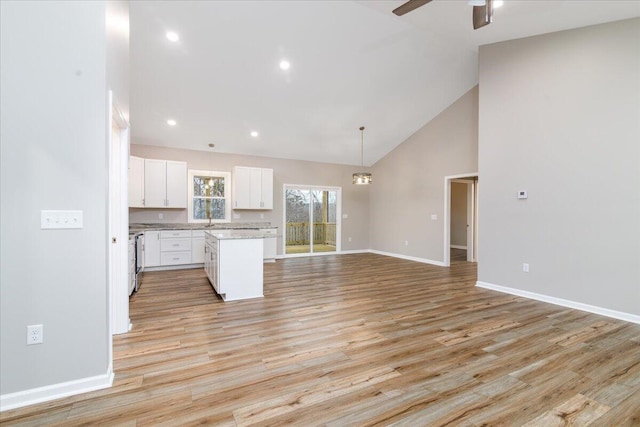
{"x": 522, "y": 194}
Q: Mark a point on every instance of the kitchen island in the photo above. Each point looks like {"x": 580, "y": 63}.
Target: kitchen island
{"x": 233, "y": 263}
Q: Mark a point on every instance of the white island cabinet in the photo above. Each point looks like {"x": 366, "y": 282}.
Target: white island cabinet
{"x": 233, "y": 263}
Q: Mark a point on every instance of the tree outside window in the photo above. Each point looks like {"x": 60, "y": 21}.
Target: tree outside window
{"x": 209, "y": 196}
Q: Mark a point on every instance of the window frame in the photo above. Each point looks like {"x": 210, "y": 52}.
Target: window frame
{"x": 227, "y": 195}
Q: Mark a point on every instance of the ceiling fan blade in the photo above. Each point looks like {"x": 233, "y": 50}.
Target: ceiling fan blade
{"x": 409, "y": 6}
{"x": 482, "y": 15}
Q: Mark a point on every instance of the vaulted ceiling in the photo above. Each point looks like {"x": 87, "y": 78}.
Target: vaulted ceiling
{"x": 353, "y": 63}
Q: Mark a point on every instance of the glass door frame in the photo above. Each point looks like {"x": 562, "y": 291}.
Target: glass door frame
{"x": 311, "y": 188}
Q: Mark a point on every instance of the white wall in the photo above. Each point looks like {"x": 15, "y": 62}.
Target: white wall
{"x": 355, "y": 198}
{"x": 560, "y": 118}
{"x": 408, "y": 184}
{"x": 53, "y": 156}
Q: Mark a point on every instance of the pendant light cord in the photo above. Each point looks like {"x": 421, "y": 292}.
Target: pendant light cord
{"x": 362, "y": 146}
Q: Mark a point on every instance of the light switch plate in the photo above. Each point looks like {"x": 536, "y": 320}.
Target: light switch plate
{"x": 50, "y": 220}
{"x": 434, "y": 217}
{"x": 522, "y": 194}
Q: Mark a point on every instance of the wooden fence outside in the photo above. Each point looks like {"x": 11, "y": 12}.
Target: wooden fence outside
{"x": 324, "y": 233}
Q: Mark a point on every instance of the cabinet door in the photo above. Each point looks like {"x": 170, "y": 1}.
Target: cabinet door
{"x": 197, "y": 250}
{"x": 155, "y": 183}
{"x": 136, "y": 182}
{"x": 176, "y": 184}
{"x": 241, "y": 188}
{"x": 255, "y": 188}
{"x": 215, "y": 266}
{"x": 151, "y": 248}
{"x": 267, "y": 189}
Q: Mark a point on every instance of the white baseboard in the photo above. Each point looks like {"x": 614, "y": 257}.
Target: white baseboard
{"x": 55, "y": 391}
{"x": 627, "y": 317}
{"x": 458, "y": 247}
{"x": 407, "y": 257}
{"x": 355, "y": 251}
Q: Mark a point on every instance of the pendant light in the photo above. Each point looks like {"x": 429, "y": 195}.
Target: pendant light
{"x": 362, "y": 178}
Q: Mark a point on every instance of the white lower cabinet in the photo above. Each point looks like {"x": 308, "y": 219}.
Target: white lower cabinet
{"x": 234, "y": 267}
{"x": 132, "y": 265}
{"x": 211, "y": 260}
{"x": 175, "y": 247}
{"x": 269, "y": 244}
{"x": 169, "y": 248}
{"x": 197, "y": 246}
{"x": 151, "y": 249}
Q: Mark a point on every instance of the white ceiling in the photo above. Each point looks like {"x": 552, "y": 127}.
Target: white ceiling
{"x": 353, "y": 63}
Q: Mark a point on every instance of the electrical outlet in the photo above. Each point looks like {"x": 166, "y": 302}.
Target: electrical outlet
{"x": 525, "y": 267}
{"x": 406, "y": 243}
{"x": 349, "y": 238}
{"x": 160, "y": 216}
{"x": 35, "y": 334}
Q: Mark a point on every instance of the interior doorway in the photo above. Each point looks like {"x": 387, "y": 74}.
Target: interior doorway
{"x": 461, "y": 218}
{"x": 311, "y": 220}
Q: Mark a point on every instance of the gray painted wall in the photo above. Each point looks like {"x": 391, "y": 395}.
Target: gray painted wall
{"x": 355, "y": 198}
{"x": 409, "y": 181}
{"x": 53, "y": 156}
{"x": 560, "y": 118}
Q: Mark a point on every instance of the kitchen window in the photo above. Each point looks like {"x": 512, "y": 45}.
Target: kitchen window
{"x": 209, "y": 196}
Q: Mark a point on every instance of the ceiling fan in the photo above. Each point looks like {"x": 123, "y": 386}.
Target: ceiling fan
{"x": 482, "y": 14}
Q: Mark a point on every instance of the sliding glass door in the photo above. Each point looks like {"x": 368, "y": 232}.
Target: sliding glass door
{"x": 312, "y": 220}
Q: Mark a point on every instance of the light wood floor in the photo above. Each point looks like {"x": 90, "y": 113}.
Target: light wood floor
{"x": 354, "y": 340}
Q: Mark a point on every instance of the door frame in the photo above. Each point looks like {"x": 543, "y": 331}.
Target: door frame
{"x": 338, "y": 218}
{"x": 447, "y": 217}
{"x": 118, "y": 221}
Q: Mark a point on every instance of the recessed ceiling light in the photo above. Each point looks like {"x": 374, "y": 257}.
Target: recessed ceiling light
{"x": 285, "y": 65}
{"x": 174, "y": 37}
{"x": 254, "y": 134}
{"x": 171, "y": 122}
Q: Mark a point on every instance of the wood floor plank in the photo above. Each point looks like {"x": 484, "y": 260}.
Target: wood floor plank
{"x": 362, "y": 340}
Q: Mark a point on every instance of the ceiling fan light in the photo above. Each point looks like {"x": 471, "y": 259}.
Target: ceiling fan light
{"x": 362, "y": 178}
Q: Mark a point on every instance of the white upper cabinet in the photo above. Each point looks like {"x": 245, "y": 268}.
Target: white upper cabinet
{"x": 252, "y": 188}
{"x": 241, "y": 187}
{"x": 136, "y": 182}
{"x": 155, "y": 183}
{"x": 267, "y": 188}
{"x": 176, "y": 184}
{"x": 165, "y": 184}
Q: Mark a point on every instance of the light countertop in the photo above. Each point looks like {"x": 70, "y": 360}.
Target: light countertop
{"x": 236, "y": 234}
{"x": 135, "y": 228}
